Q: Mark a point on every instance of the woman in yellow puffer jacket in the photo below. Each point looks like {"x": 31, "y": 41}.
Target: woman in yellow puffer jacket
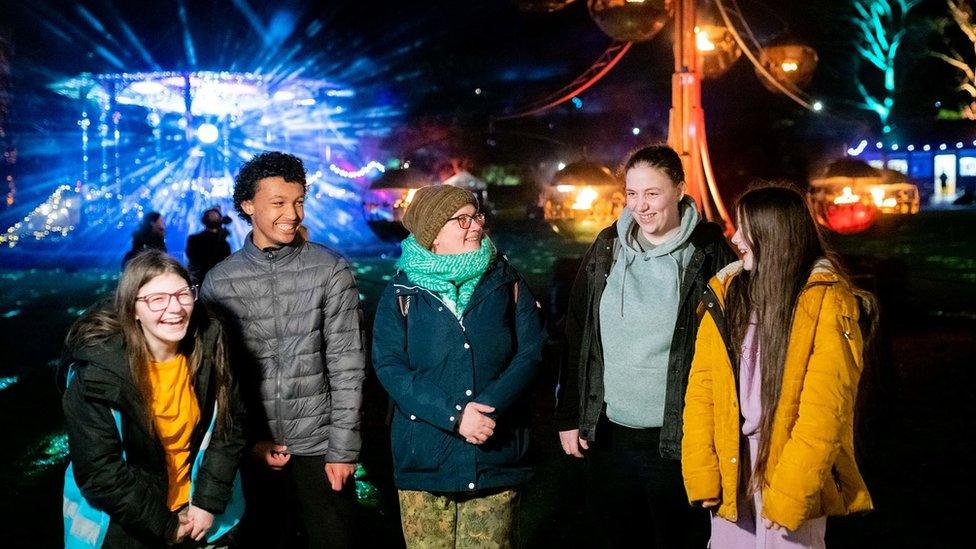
{"x": 768, "y": 441}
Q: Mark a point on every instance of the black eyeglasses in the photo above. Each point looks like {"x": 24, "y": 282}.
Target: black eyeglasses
{"x": 464, "y": 220}
{"x": 160, "y": 301}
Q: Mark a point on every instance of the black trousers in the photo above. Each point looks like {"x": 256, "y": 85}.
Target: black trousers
{"x": 298, "y": 501}
{"x": 633, "y": 494}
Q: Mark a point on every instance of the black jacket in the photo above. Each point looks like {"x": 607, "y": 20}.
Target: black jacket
{"x": 133, "y": 490}
{"x": 581, "y": 378}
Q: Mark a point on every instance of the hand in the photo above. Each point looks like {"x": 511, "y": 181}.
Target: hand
{"x": 200, "y": 520}
{"x": 475, "y": 426}
{"x": 182, "y": 529}
{"x": 770, "y": 525}
{"x": 339, "y": 473}
{"x": 709, "y": 503}
{"x": 571, "y": 443}
{"x": 273, "y": 455}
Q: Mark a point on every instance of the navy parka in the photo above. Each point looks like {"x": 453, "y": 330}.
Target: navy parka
{"x": 432, "y": 364}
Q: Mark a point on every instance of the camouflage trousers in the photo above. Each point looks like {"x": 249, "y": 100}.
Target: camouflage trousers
{"x": 436, "y": 521}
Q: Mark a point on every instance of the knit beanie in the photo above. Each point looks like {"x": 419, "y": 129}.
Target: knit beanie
{"x": 430, "y": 209}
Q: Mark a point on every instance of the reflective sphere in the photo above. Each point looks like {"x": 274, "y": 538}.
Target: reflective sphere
{"x": 789, "y": 64}
{"x": 542, "y": 6}
{"x": 716, "y": 49}
{"x": 629, "y": 21}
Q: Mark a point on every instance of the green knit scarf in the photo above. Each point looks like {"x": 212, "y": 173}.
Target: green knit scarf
{"x": 453, "y": 276}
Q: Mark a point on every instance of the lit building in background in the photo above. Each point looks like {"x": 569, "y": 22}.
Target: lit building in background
{"x": 944, "y": 169}
{"x": 582, "y": 198}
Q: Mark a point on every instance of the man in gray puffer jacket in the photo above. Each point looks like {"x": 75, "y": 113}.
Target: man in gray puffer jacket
{"x": 292, "y": 310}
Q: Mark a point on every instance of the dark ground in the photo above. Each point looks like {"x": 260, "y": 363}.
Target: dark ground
{"x": 916, "y": 399}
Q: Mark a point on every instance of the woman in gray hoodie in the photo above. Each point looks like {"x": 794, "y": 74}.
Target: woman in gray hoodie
{"x": 630, "y": 331}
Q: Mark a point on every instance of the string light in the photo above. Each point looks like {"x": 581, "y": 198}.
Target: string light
{"x": 50, "y": 218}
{"x": 370, "y": 166}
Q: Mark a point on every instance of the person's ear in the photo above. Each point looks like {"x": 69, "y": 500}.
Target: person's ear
{"x": 248, "y": 207}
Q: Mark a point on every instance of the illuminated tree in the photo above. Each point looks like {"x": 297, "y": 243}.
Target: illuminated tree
{"x": 963, "y": 17}
{"x": 881, "y": 27}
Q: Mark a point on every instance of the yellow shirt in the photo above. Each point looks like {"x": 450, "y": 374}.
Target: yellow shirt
{"x": 176, "y": 413}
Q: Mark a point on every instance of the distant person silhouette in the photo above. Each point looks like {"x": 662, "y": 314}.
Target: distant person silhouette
{"x": 150, "y": 236}
{"x": 209, "y": 246}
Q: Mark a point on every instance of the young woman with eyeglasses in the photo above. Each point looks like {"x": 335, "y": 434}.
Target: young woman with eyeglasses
{"x": 456, "y": 342}
{"x": 158, "y": 359}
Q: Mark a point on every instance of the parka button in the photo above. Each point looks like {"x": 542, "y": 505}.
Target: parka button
{"x": 471, "y": 486}
{"x": 458, "y": 407}
{"x": 733, "y": 460}
{"x": 413, "y": 417}
{"x": 468, "y": 392}
{"x": 467, "y": 345}
{"x": 452, "y": 419}
{"x": 440, "y": 308}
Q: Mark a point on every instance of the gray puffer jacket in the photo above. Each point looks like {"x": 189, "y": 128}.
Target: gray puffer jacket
{"x": 294, "y": 320}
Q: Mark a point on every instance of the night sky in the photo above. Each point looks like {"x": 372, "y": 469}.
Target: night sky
{"x": 429, "y": 58}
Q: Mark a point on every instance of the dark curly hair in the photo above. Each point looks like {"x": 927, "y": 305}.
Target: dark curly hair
{"x": 270, "y": 164}
{"x": 661, "y": 157}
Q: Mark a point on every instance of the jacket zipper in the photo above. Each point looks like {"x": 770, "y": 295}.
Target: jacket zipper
{"x": 279, "y": 434}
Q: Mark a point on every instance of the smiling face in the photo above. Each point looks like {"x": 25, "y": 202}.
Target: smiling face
{"x": 454, "y": 240}
{"x": 654, "y": 199}
{"x": 276, "y": 211}
{"x": 166, "y": 328}
{"x": 741, "y": 242}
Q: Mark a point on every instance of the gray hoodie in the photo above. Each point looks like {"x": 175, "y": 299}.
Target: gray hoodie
{"x": 638, "y": 311}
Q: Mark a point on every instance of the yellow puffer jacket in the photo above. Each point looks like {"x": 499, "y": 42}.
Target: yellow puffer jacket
{"x": 811, "y": 470}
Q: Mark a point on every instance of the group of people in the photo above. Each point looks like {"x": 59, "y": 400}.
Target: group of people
{"x": 203, "y": 249}
{"x": 690, "y": 380}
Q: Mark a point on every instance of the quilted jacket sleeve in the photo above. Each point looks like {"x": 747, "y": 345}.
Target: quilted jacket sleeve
{"x": 826, "y": 407}
{"x": 346, "y": 364}
{"x": 699, "y": 459}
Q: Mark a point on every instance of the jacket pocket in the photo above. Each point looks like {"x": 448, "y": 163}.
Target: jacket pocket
{"x": 418, "y": 446}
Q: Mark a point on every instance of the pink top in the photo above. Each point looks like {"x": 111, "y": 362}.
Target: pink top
{"x": 750, "y": 401}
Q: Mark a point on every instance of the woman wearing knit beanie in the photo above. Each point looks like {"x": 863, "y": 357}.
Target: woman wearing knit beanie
{"x": 456, "y": 342}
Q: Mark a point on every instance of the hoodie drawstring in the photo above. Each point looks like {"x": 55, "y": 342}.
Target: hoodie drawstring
{"x": 677, "y": 269}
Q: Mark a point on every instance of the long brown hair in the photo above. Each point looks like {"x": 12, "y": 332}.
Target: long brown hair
{"x": 117, "y": 317}
{"x": 786, "y": 243}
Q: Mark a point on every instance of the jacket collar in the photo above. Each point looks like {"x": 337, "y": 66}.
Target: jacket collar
{"x": 704, "y": 235}
{"x": 823, "y": 272}
{"x": 108, "y": 364}
{"x": 498, "y": 273}
{"x": 272, "y": 255}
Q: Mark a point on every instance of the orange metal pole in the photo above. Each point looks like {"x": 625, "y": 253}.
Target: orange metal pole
{"x": 686, "y": 130}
